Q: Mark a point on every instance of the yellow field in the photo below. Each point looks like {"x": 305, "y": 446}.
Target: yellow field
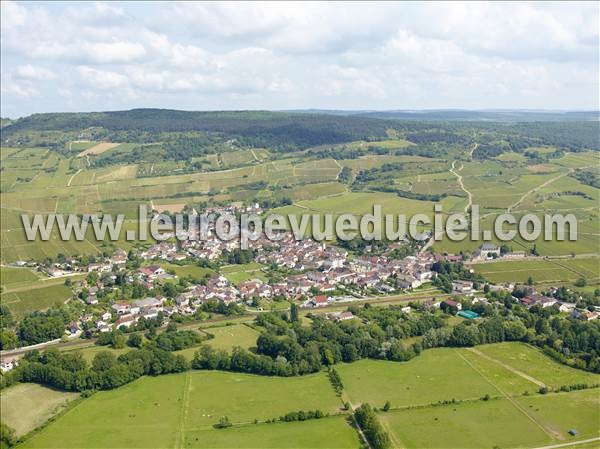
{"x": 98, "y": 149}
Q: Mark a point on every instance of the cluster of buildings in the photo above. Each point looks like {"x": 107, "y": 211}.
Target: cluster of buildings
{"x": 318, "y": 275}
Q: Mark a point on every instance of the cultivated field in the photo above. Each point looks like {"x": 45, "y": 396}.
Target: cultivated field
{"x": 98, "y": 148}
{"x": 38, "y": 295}
{"x": 540, "y": 270}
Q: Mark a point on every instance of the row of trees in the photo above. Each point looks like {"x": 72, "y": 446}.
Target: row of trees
{"x": 71, "y": 372}
{"x": 372, "y": 429}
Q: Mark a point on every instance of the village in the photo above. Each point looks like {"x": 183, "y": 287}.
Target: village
{"x": 313, "y": 275}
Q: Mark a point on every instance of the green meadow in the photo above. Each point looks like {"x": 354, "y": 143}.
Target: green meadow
{"x": 180, "y": 411}
{"x": 527, "y": 359}
{"x": 243, "y": 272}
{"x": 327, "y": 433}
{"x": 451, "y": 398}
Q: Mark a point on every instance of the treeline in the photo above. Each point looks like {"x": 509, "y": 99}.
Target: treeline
{"x": 368, "y": 422}
{"x": 71, "y": 372}
{"x": 437, "y": 135}
{"x": 587, "y": 177}
{"x": 435, "y": 197}
{"x": 276, "y": 130}
{"x": 565, "y": 136}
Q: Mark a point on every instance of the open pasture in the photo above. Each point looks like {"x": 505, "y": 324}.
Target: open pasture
{"x": 462, "y": 374}
{"x": 578, "y": 160}
{"x": 421, "y": 381}
{"x": 561, "y": 412}
{"x": 144, "y": 414}
{"x": 226, "y": 337}
{"x": 28, "y": 406}
{"x": 534, "y": 363}
{"x": 496, "y": 423}
{"x": 243, "y": 272}
{"x": 90, "y": 351}
{"x": 165, "y": 411}
{"x": 328, "y": 433}
{"x": 244, "y": 397}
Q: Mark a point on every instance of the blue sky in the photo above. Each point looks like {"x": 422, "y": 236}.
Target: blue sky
{"x": 214, "y": 56}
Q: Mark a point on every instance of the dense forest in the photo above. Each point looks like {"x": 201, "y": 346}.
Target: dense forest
{"x": 186, "y": 134}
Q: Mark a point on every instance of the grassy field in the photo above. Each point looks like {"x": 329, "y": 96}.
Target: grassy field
{"x": 187, "y": 270}
{"x": 28, "y": 406}
{"x": 529, "y": 360}
{"x": 421, "y": 381}
{"x": 561, "y": 412}
{"x": 180, "y": 410}
{"x": 508, "y": 419}
{"x": 243, "y": 272}
{"x": 328, "y": 433}
{"x": 174, "y": 410}
{"x": 226, "y": 337}
{"x": 244, "y": 398}
{"x": 468, "y": 425}
{"x": 530, "y": 422}
{"x": 525, "y": 422}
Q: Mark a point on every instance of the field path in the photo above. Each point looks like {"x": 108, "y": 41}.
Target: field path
{"x": 71, "y": 178}
{"x": 187, "y": 387}
{"x": 439, "y": 232}
{"x": 358, "y": 428}
{"x": 473, "y": 150}
{"x": 508, "y": 367}
{"x": 459, "y": 178}
{"x": 535, "y": 189}
{"x": 572, "y": 443}
{"x": 254, "y": 154}
{"x": 341, "y": 168}
{"x": 510, "y": 399}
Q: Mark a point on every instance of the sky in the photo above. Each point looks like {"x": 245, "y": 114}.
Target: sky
{"x": 67, "y": 57}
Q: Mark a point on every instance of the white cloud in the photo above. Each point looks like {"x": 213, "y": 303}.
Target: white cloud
{"x": 292, "y": 55}
{"x": 101, "y": 79}
{"x": 31, "y": 72}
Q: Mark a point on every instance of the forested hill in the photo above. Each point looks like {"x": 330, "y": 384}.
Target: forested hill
{"x": 504, "y": 116}
{"x": 186, "y": 134}
{"x": 255, "y": 128}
